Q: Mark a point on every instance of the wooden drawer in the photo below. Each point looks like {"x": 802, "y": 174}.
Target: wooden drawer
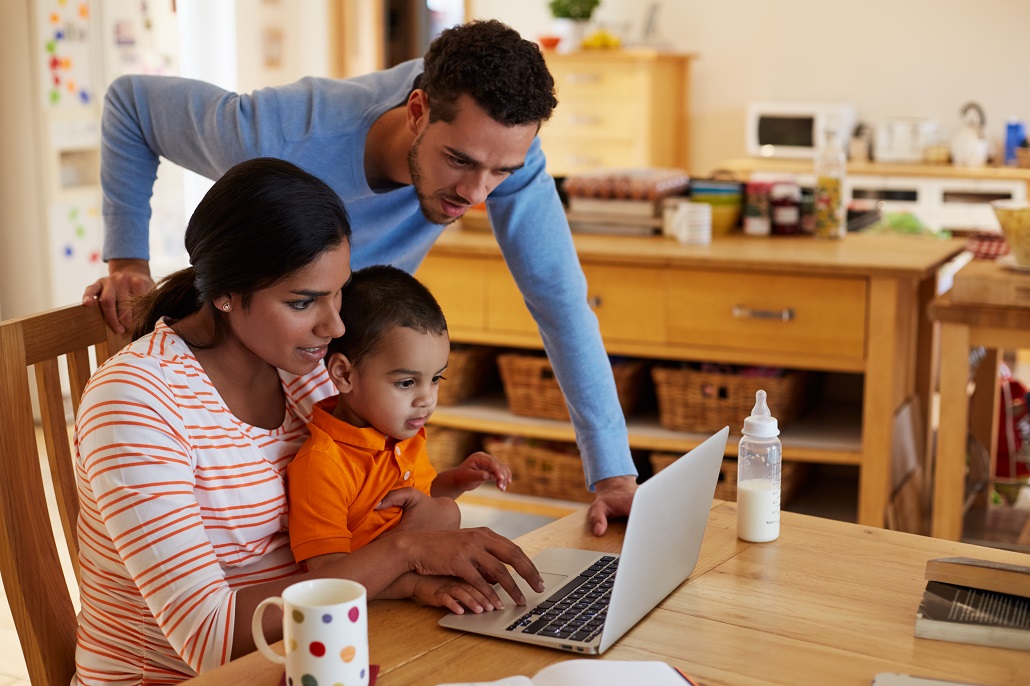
{"x": 459, "y": 285}
{"x": 480, "y": 295}
{"x": 806, "y": 315}
{"x": 506, "y": 310}
{"x": 567, "y": 156}
{"x": 615, "y": 121}
{"x": 627, "y": 302}
{"x": 598, "y": 80}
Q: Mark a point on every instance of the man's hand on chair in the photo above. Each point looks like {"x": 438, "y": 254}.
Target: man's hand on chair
{"x": 126, "y": 280}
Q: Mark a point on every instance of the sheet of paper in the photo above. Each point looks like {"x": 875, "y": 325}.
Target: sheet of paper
{"x": 594, "y": 673}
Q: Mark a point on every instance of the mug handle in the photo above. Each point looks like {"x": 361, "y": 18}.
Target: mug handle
{"x": 258, "y": 630}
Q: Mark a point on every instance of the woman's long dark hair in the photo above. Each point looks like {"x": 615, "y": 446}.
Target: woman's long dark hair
{"x": 261, "y": 222}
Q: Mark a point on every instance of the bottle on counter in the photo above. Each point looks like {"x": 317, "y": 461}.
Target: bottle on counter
{"x": 759, "y": 466}
{"x": 1015, "y": 135}
{"x": 830, "y": 169}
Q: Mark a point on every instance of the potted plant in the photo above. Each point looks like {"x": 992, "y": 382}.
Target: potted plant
{"x": 573, "y": 9}
{"x": 570, "y": 20}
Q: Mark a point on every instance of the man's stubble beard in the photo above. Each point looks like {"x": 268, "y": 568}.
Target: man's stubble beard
{"x": 416, "y": 181}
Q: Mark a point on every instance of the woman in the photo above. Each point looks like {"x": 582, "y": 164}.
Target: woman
{"x": 183, "y": 439}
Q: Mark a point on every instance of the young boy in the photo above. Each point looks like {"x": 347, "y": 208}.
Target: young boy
{"x": 364, "y": 470}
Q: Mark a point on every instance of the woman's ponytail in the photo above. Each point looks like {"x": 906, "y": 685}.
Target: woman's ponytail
{"x": 175, "y": 296}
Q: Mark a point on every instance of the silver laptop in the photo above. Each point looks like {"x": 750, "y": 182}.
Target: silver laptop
{"x": 591, "y": 598}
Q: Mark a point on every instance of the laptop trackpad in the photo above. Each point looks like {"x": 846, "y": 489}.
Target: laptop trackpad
{"x": 552, "y": 582}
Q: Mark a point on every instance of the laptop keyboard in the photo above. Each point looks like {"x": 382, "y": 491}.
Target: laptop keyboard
{"x": 577, "y": 610}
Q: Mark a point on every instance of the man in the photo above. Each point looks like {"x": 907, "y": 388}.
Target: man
{"x": 409, "y": 150}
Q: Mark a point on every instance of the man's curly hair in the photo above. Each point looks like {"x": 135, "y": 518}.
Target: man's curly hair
{"x": 503, "y": 73}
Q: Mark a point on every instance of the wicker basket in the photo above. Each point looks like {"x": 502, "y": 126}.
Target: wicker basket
{"x": 792, "y": 476}
{"x": 692, "y": 400}
{"x": 533, "y": 391}
{"x": 449, "y": 447}
{"x": 470, "y": 369}
{"x": 541, "y": 468}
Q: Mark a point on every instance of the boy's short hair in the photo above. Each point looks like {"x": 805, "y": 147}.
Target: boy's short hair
{"x": 375, "y": 300}
{"x": 503, "y": 73}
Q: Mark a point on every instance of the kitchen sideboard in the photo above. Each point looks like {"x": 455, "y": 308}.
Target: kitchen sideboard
{"x": 856, "y": 305}
{"x": 617, "y": 109}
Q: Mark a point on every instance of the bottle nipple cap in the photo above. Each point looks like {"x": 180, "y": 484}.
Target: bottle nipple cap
{"x": 761, "y": 423}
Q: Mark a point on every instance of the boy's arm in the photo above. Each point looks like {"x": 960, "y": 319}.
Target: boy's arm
{"x": 422, "y": 512}
{"x": 477, "y": 469}
{"x": 445, "y": 485}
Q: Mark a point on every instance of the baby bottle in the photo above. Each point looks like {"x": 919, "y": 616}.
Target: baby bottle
{"x": 758, "y": 476}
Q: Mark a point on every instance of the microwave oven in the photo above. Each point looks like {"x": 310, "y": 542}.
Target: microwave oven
{"x": 795, "y": 130}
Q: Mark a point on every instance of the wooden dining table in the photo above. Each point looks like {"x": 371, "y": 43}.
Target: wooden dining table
{"x": 828, "y": 603}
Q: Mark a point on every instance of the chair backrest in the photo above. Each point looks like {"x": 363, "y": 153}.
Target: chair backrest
{"x": 34, "y": 581}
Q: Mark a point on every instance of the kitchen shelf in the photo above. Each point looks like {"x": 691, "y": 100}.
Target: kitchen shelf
{"x": 828, "y": 434}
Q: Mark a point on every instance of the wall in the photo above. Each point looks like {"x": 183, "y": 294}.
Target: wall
{"x": 921, "y": 58}
{"x": 280, "y": 41}
{"x": 22, "y": 209}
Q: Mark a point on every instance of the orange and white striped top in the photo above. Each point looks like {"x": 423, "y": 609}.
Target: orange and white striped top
{"x": 181, "y": 504}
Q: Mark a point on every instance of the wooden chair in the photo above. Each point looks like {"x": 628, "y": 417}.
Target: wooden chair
{"x": 32, "y": 575}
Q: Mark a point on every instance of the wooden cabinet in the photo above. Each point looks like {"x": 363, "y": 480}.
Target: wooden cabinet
{"x": 856, "y": 305}
{"x": 617, "y": 108}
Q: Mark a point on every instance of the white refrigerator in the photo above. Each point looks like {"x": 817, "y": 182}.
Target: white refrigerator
{"x": 56, "y": 59}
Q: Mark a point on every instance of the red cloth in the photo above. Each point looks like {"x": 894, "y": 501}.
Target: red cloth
{"x": 987, "y": 246}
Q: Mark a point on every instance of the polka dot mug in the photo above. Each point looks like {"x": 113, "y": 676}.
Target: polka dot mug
{"x": 325, "y": 633}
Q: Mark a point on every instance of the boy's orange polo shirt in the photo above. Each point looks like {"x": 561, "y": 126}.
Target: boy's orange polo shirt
{"x": 338, "y": 477}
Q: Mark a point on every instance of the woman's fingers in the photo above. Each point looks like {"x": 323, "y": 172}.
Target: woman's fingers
{"x": 479, "y": 556}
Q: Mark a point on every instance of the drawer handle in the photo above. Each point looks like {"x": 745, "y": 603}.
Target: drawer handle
{"x": 742, "y": 312}
{"x": 594, "y": 301}
{"x": 584, "y": 77}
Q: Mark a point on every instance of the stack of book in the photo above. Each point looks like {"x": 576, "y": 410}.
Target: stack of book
{"x": 976, "y": 601}
{"x": 624, "y": 202}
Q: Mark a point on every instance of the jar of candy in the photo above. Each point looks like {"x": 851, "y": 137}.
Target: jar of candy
{"x": 785, "y": 208}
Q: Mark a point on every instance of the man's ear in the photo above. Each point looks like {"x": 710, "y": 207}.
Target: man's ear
{"x": 341, "y": 371}
{"x": 417, "y": 110}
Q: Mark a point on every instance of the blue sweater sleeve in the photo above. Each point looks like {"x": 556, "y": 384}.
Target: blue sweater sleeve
{"x": 194, "y": 124}
{"x": 534, "y": 236}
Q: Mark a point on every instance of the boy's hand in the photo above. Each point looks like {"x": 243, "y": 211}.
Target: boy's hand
{"x": 422, "y": 512}
{"x": 450, "y": 592}
{"x": 477, "y": 469}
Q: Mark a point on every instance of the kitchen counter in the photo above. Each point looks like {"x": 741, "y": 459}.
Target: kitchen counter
{"x": 946, "y": 171}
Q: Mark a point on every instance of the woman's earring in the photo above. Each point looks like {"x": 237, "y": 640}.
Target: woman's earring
{"x": 226, "y": 306}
